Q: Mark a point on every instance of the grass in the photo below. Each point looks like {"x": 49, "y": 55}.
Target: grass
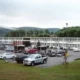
{"x": 13, "y": 71}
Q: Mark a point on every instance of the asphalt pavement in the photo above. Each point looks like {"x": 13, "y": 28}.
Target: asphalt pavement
{"x": 52, "y": 61}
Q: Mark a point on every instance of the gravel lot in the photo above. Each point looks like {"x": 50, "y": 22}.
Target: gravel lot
{"x": 52, "y": 61}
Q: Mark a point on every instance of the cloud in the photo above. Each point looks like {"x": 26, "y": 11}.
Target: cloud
{"x": 39, "y": 13}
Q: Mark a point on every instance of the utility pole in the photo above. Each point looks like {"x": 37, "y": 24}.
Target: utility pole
{"x": 66, "y": 54}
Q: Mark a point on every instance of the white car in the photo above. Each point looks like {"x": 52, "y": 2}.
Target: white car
{"x": 76, "y": 49}
{"x": 7, "y": 55}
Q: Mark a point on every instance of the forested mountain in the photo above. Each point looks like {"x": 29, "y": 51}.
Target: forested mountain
{"x": 4, "y": 31}
{"x": 41, "y": 32}
{"x": 28, "y": 28}
{"x": 53, "y": 29}
{"x": 35, "y": 28}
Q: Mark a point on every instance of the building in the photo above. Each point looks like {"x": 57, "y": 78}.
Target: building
{"x": 68, "y": 42}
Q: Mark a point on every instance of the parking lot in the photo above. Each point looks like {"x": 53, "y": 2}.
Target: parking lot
{"x": 52, "y": 61}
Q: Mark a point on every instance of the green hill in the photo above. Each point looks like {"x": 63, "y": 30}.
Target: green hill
{"x": 4, "y": 31}
{"x": 53, "y": 29}
{"x": 28, "y": 28}
{"x": 35, "y": 28}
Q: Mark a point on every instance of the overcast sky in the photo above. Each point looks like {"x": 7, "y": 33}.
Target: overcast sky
{"x": 39, "y": 13}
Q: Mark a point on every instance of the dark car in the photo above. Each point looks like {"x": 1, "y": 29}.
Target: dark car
{"x": 60, "y": 53}
{"x": 52, "y": 54}
{"x": 20, "y": 58}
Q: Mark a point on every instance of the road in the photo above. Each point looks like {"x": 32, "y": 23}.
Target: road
{"x": 52, "y": 61}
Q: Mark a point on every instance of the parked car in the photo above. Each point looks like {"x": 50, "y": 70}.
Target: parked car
{"x": 34, "y": 58}
{"x": 20, "y": 58}
{"x": 60, "y": 52}
{"x": 8, "y": 55}
{"x": 51, "y": 54}
{"x": 76, "y": 49}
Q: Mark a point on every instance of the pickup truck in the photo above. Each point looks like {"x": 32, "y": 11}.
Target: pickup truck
{"x": 34, "y": 59}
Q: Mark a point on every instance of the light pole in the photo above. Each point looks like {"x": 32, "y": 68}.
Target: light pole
{"x": 66, "y": 34}
{"x": 66, "y": 54}
{"x": 66, "y": 25}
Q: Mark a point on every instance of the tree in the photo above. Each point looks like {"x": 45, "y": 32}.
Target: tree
{"x": 16, "y": 33}
{"x": 47, "y": 31}
{"x": 69, "y": 32}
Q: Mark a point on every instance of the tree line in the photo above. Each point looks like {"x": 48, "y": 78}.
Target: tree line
{"x": 69, "y": 32}
{"x": 65, "y": 32}
{"x": 30, "y": 33}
